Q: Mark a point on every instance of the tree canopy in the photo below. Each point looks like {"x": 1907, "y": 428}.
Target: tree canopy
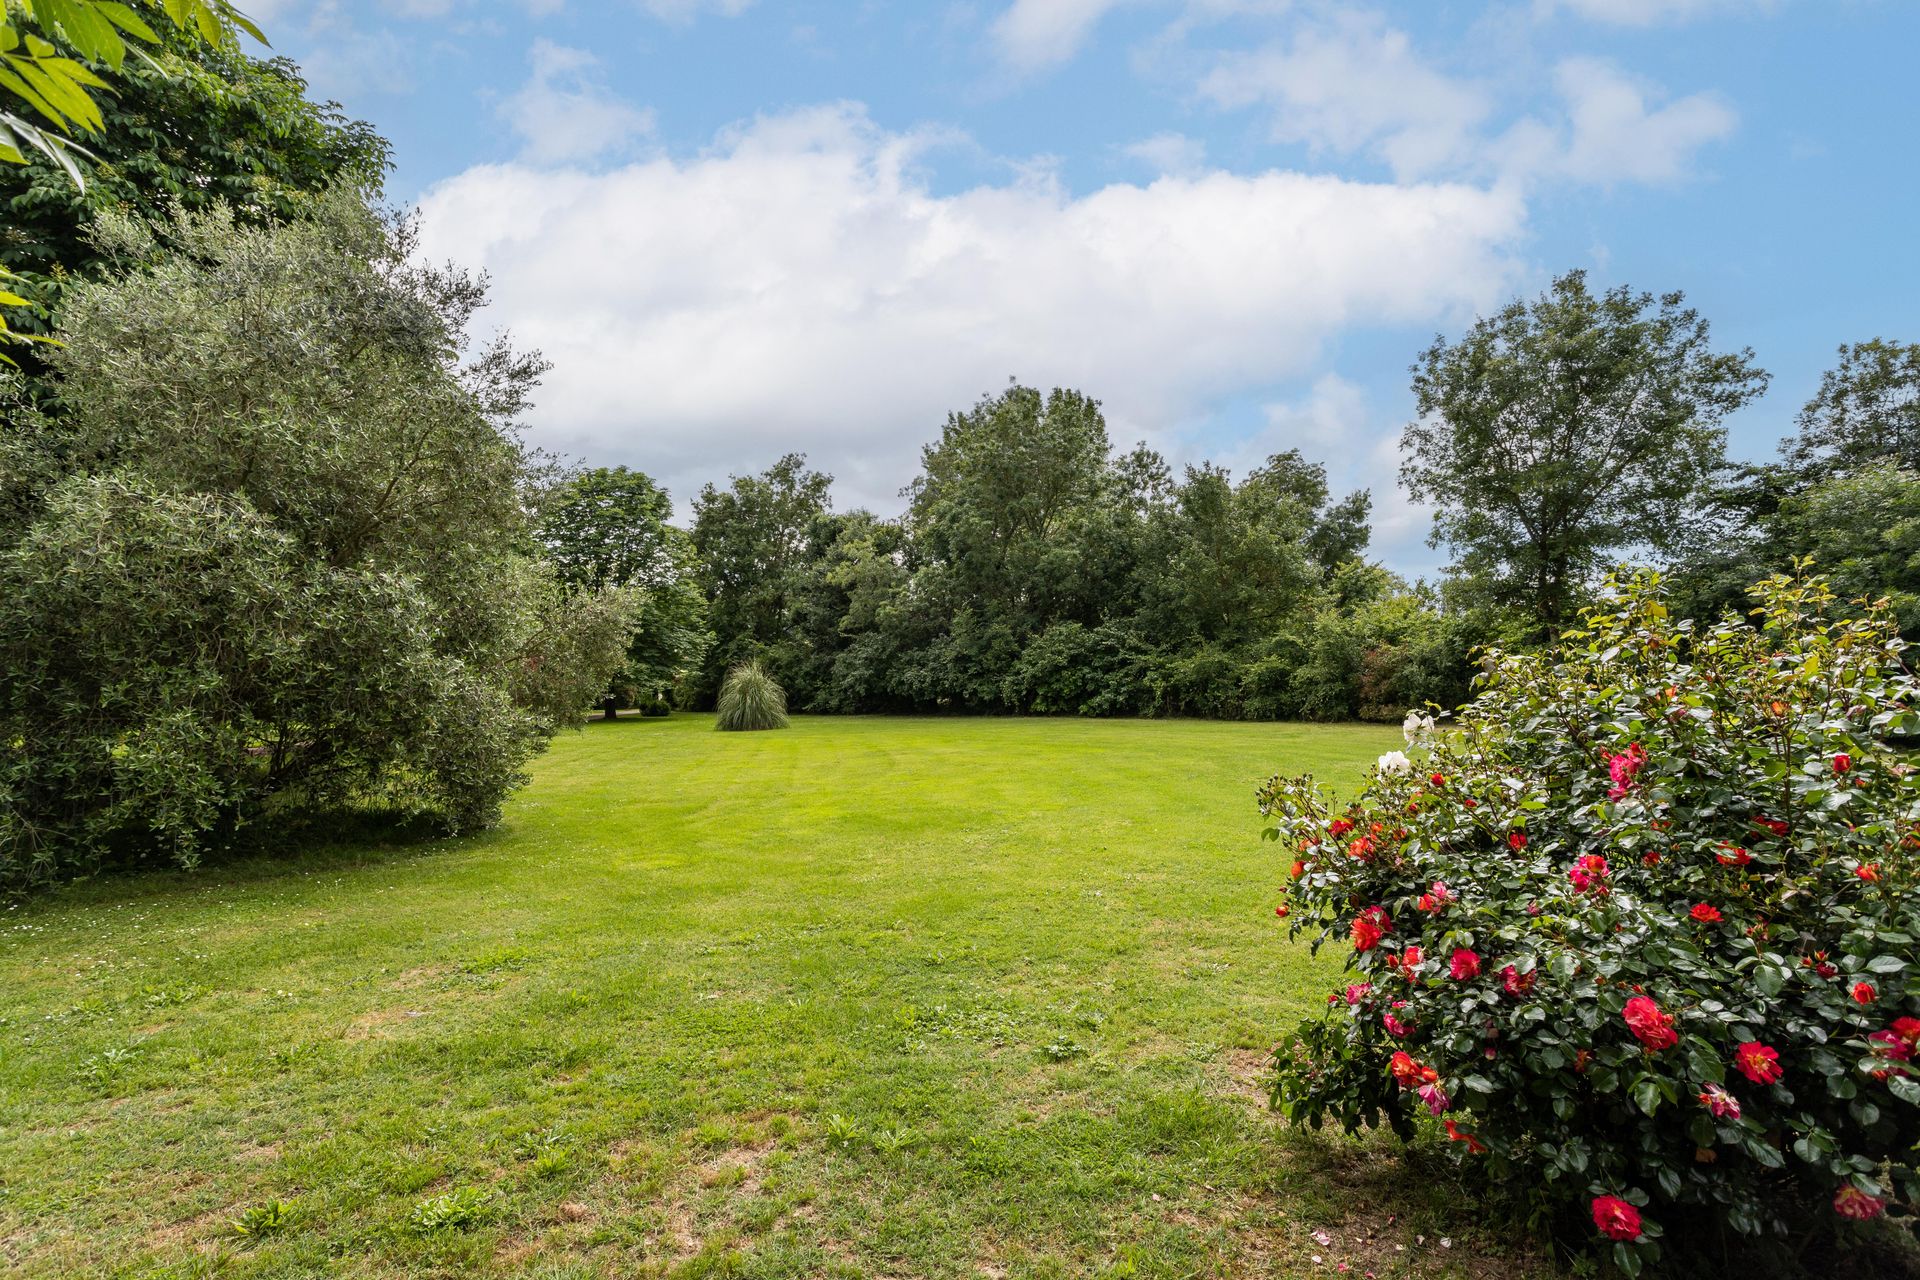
{"x": 1567, "y": 429}
{"x": 607, "y": 528}
{"x": 195, "y": 126}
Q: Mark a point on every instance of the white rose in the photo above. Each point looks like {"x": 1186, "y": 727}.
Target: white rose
{"x": 1416, "y": 727}
{"x": 1395, "y": 762}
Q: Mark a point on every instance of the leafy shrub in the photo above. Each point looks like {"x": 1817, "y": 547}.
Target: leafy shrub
{"x": 751, "y": 699}
{"x": 1069, "y": 669}
{"x": 1640, "y": 933}
{"x": 271, "y": 556}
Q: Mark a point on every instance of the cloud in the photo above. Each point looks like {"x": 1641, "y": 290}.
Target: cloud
{"x": 688, "y": 10}
{"x": 1647, "y": 13}
{"x": 1034, "y": 34}
{"x": 801, "y": 286}
{"x": 1615, "y": 135}
{"x": 1169, "y": 153}
{"x": 564, "y": 114}
{"x": 1353, "y": 84}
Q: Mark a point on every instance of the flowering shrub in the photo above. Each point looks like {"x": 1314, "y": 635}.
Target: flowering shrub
{"x": 1639, "y": 930}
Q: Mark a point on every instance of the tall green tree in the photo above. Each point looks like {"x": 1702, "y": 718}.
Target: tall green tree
{"x": 608, "y": 528}
{"x": 1567, "y": 429}
{"x": 49, "y": 50}
{"x": 1845, "y": 492}
{"x": 1008, "y": 500}
{"x": 755, "y": 540}
{"x": 1866, "y": 412}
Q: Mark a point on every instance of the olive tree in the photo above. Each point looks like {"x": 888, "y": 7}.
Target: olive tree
{"x": 272, "y": 556}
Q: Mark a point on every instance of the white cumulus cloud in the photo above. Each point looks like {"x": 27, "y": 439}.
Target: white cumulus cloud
{"x": 564, "y": 113}
{"x": 1033, "y": 34}
{"x": 1617, "y": 133}
{"x": 800, "y": 286}
{"x": 1354, "y": 84}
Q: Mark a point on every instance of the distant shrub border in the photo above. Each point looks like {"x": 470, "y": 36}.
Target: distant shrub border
{"x": 1637, "y": 933}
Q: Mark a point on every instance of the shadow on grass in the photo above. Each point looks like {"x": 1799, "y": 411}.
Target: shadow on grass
{"x": 352, "y": 838}
{"x": 1384, "y": 1205}
{"x": 340, "y": 840}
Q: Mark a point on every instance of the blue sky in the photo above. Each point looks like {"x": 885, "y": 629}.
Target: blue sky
{"x": 741, "y": 227}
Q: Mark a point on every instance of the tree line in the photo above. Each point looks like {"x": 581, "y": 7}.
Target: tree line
{"x": 1036, "y": 568}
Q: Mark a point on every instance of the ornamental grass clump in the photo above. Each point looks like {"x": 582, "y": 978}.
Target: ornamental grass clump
{"x": 751, "y": 699}
{"x": 1637, "y": 932}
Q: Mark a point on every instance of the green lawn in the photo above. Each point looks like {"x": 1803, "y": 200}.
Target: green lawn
{"x": 868, "y": 997}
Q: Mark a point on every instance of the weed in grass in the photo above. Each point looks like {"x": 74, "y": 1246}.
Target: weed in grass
{"x": 260, "y": 1221}
{"x": 461, "y": 1207}
{"x": 844, "y": 1134}
{"x": 896, "y": 1141}
{"x": 1063, "y": 1049}
{"x": 104, "y": 1069}
{"x": 496, "y": 960}
{"x": 538, "y": 1143}
{"x": 169, "y": 997}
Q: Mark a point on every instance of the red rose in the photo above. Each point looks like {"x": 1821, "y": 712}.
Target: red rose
{"x": 1616, "y": 1219}
{"x": 1650, "y": 1026}
{"x": 1456, "y": 1134}
{"x": 1868, "y": 871}
{"x": 1407, "y": 962}
{"x": 1368, "y": 928}
{"x": 1438, "y": 779}
{"x": 1774, "y": 825}
{"x": 1651, "y": 857}
{"x": 1409, "y": 1073}
{"x": 1517, "y": 983}
{"x": 1863, "y": 993}
{"x": 1589, "y": 873}
{"x": 1705, "y": 913}
{"x": 1733, "y": 856}
{"x": 1851, "y": 1202}
{"x": 1723, "y": 1105}
{"x": 1623, "y": 768}
{"x": 1464, "y": 964}
{"x": 1758, "y": 1063}
{"x": 1281, "y": 911}
{"x": 1842, "y": 762}
{"x": 1907, "y": 1029}
{"x": 1517, "y": 840}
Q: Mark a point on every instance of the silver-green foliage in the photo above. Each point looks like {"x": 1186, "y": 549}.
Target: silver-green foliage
{"x": 751, "y": 699}
{"x": 271, "y": 558}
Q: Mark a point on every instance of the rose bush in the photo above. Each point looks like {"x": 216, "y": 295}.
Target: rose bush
{"x": 1639, "y": 928}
